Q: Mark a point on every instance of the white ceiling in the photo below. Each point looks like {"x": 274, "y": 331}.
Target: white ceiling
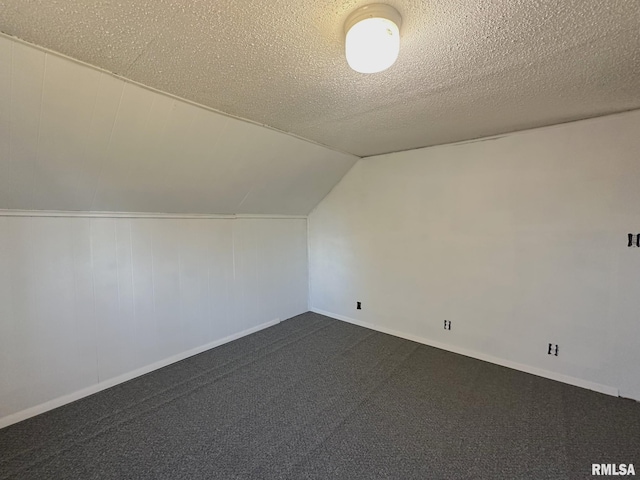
{"x": 75, "y": 138}
{"x": 467, "y": 68}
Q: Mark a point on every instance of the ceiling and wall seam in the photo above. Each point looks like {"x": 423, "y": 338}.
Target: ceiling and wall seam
{"x": 13, "y": 38}
{"x": 108, "y": 145}
{"x": 505, "y": 134}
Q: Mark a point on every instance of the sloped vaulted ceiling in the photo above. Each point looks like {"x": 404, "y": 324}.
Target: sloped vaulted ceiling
{"x": 75, "y": 138}
{"x": 467, "y": 68}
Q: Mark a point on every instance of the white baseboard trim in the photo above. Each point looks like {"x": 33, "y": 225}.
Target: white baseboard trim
{"x": 85, "y": 392}
{"x": 578, "y": 382}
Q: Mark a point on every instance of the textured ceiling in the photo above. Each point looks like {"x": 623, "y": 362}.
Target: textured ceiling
{"x": 467, "y": 68}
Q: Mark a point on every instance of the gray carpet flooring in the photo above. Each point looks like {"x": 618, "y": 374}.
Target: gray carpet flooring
{"x": 315, "y": 398}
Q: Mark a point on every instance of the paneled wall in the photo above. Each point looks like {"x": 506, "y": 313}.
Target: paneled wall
{"x": 87, "y": 300}
{"x": 519, "y": 241}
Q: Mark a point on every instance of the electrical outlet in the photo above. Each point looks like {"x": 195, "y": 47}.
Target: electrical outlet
{"x": 553, "y": 349}
{"x": 447, "y": 324}
{"x": 631, "y": 242}
{"x": 358, "y": 305}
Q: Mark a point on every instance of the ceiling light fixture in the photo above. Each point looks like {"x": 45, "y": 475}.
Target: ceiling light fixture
{"x": 372, "y": 38}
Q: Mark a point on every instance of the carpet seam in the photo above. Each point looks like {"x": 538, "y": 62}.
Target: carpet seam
{"x": 366, "y": 398}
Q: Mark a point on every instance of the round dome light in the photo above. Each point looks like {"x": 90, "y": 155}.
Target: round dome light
{"x": 372, "y": 38}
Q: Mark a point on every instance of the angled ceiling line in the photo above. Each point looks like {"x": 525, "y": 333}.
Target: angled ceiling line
{"x": 498, "y": 136}
{"x": 167, "y": 94}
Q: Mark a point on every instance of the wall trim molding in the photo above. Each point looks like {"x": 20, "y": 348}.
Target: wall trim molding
{"x": 578, "y": 382}
{"x": 266, "y": 215}
{"x": 73, "y": 214}
{"x": 85, "y": 392}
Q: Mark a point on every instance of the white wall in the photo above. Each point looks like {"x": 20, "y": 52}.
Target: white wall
{"x": 84, "y": 301}
{"x": 520, "y": 241}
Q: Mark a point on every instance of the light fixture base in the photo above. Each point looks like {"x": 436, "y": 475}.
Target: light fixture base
{"x": 374, "y": 10}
